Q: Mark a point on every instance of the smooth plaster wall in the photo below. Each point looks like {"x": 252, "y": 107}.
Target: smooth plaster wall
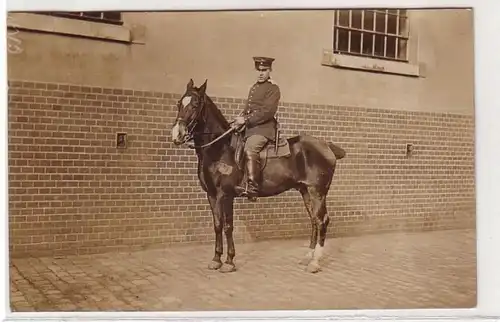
{"x": 218, "y": 46}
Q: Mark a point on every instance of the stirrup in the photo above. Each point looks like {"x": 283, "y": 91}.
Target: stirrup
{"x": 244, "y": 192}
{"x": 252, "y": 196}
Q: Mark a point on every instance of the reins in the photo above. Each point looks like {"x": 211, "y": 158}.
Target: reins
{"x": 192, "y": 132}
{"x": 194, "y": 146}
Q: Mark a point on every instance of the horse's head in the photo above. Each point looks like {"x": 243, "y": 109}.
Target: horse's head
{"x": 189, "y": 111}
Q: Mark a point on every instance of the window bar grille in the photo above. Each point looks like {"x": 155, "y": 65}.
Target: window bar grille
{"x": 385, "y": 28}
{"x": 337, "y": 22}
{"x": 350, "y": 32}
{"x": 397, "y": 32}
{"x": 374, "y": 29}
{"x": 396, "y": 37}
{"x": 99, "y": 16}
{"x": 362, "y": 28}
{"x": 407, "y": 32}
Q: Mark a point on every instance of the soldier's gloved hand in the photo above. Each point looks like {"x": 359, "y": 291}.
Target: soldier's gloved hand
{"x": 238, "y": 128}
{"x": 239, "y": 123}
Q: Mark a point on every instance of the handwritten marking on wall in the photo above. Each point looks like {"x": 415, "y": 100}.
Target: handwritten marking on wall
{"x": 14, "y": 44}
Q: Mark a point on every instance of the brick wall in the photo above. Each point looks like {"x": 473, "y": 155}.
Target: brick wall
{"x": 72, "y": 191}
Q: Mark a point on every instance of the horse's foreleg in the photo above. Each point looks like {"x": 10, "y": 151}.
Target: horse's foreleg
{"x": 227, "y": 216}
{"x": 321, "y": 217}
{"x": 314, "y": 231}
{"x": 216, "y": 207}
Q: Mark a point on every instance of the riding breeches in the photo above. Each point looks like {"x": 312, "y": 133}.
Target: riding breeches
{"x": 254, "y": 144}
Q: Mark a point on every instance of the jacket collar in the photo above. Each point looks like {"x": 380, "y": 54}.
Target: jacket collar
{"x": 269, "y": 80}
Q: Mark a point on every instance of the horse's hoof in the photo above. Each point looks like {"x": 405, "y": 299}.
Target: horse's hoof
{"x": 227, "y": 268}
{"x": 214, "y": 265}
{"x": 313, "y": 267}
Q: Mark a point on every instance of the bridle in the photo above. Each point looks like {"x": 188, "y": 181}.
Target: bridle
{"x": 191, "y": 127}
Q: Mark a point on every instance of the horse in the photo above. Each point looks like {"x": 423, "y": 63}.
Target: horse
{"x": 307, "y": 165}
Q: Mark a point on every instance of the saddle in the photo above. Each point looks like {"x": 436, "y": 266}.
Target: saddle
{"x": 279, "y": 148}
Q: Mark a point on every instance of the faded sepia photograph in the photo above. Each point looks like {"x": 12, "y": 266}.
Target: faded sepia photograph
{"x": 241, "y": 160}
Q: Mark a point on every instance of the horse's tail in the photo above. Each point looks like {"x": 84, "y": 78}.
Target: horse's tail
{"x": 338, "y": 151}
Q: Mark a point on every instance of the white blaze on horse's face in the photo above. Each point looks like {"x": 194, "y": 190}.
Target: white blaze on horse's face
{"x": 178, "y": 133}
{"x": 179, "y": 129}
{"x": 185, "y": 101}
{"x": 175, "y": 133}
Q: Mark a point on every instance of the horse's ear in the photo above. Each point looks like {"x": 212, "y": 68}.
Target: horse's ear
{"x": 190, "y": 84}
{"x": 203, "y": 87}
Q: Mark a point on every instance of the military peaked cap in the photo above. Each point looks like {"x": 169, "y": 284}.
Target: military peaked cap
{"x": 263, "y": 62}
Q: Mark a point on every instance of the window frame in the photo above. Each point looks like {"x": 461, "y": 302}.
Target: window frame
{"x": 85, "y": 16}
{"x": 412, "y": 67}
{"x": 401, "y": 35}
{"x": 70, "y": 27}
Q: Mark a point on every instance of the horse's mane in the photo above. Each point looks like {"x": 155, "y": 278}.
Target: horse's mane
{"x": 216, "y": 113}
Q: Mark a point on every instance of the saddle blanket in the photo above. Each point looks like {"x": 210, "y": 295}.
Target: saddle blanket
{"x": 269, "y": 151}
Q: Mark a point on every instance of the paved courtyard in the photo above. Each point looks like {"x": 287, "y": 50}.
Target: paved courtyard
{"x": 417, "y": 270}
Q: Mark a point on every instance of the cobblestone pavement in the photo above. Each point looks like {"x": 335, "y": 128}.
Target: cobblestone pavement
{"x": 417, "y": 270}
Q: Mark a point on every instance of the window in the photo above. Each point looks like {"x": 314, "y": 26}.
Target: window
{"x": 104, "y": 26}
{"x": 378, "y": 33}
{"x": 110, "y": 17}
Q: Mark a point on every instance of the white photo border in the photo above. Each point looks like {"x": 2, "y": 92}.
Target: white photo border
{"x": 487, "y": 143}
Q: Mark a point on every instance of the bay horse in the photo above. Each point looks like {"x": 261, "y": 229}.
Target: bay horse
{"x": 308, "y": 167}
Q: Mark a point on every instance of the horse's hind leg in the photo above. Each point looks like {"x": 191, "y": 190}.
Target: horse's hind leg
{"x": 314, "y": 231}
{"x": 319, "y": 213}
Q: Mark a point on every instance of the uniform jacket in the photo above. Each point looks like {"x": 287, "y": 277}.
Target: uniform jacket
{"x": 261, "y": 108}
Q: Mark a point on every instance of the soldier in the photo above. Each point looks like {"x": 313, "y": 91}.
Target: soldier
{"x": 259, "y": 121}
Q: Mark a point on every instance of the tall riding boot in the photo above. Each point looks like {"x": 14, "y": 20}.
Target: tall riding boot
{"x": 253, "y": 170}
